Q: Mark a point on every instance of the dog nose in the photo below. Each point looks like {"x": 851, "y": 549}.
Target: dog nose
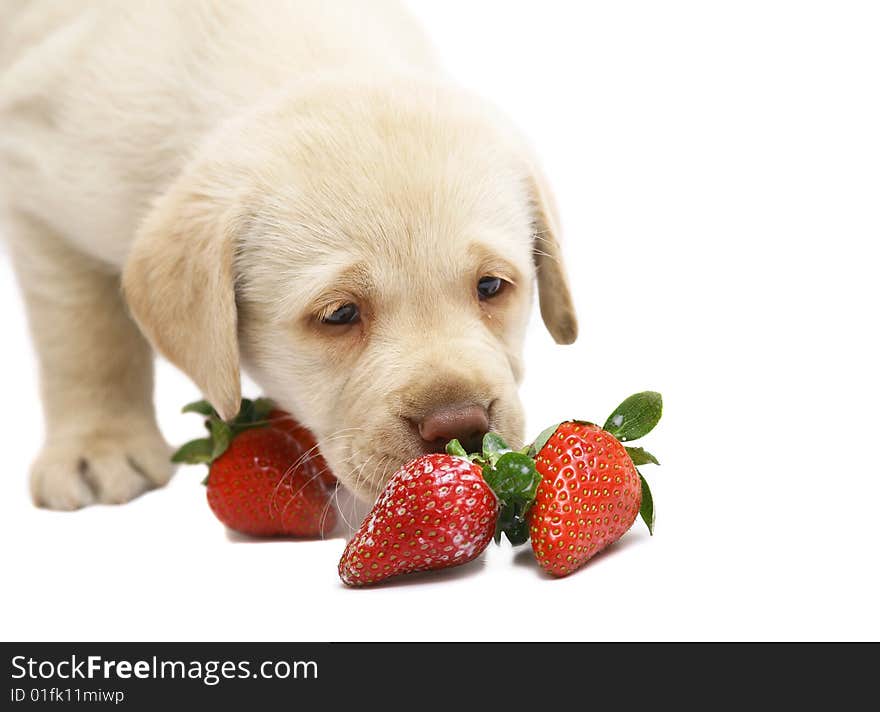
{"x": 466, "y": 423}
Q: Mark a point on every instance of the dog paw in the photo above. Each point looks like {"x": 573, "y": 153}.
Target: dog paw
{"x": 99, "y": 468}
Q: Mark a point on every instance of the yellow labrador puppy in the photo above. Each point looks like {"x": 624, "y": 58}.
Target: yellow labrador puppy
{"x": 292, "y": 187}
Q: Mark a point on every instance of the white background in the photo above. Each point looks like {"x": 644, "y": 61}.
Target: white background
{"x": 718, "y": 171}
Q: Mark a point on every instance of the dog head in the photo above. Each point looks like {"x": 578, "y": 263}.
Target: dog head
{"x": 369, "y": 256}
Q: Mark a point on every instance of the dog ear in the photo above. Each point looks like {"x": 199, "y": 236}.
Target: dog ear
{"x": 179, "y": 285}
{"x": 554, "y": 294}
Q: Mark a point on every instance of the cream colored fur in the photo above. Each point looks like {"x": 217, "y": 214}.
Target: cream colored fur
{"x": 218, "y": 175}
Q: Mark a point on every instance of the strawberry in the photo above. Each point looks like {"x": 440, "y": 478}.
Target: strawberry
{"x": 263, "y": 479}
{"x": 440, "y": 510}
{"x": 589, "y": 496}
{"x": 591, "y": 492}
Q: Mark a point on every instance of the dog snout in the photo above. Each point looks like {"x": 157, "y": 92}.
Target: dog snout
{"x": 467, "y": 423}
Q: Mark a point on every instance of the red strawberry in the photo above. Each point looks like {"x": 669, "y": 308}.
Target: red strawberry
{"x": 590, "y": 492}
{"x": 435, "y": 512}
{"x": 252, "y": 490}
{"x": 263, "y": 480}
{"x": 589, "y": 497}
{"x": 441, "y": 510}
{"x": 283, "y": 420}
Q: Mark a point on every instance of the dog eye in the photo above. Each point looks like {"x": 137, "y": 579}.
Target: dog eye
{"x": 346, "y": 314}
{"x": 489, "y": 287}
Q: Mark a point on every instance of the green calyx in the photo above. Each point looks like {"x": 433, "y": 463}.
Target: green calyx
{"x": 631, "y": 420}
{"x": 635, "y": 417}
{"x": 252, "y": 414}
{"x": 512, "y": 476}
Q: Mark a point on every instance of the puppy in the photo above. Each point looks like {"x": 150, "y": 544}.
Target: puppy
{"x": 293, "y": 188}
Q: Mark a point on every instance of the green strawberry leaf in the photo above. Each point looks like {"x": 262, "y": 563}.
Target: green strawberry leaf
{"x": 262, "y": 408}
{"x": 513, "y": 524}
{"x": 201, "y": 407}
{"x": 221, "y": 435}
{"x": 494, "y": 448}
{"x": 640, "y": 456}
{"x": 453, "y": 447}
{"x": 647, "y": 508}
{"x": 194, "y": 452}
{"x": 542, "y": 439}
{"x": 635, "y": 417}
{"x": 516, "y": 529}
{"x": 514, "y": 480}
{"x": 245, "y": 413}
{"x": 251, "y": 414}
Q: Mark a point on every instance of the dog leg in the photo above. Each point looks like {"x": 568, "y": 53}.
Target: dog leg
{"x": 96, "y": 372}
